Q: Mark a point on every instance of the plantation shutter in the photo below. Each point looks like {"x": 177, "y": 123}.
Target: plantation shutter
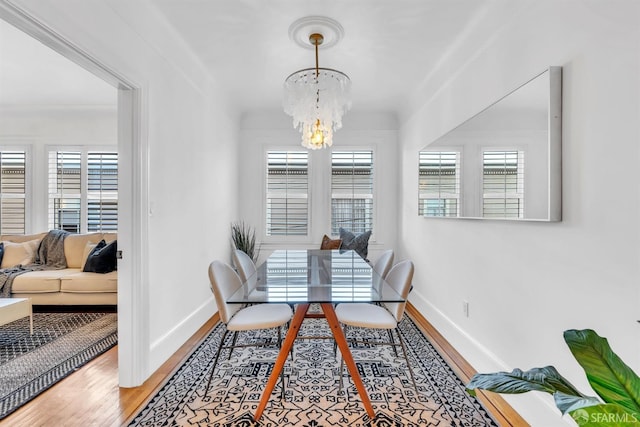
{"x": 439, "y": 183}
{"x": 351, "y": 191}
{"x": 287, "y": 207}
{"x": 503, "y": 184}
{"x": 102, "y": 191}
{"x": 65, "y": 193}
{"x": 83, "y": 190}
{"x": 12, "y": 192}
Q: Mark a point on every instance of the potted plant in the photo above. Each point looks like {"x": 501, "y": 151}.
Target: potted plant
{"x": 616, "y": 384}
{"x": 244, "y": 238}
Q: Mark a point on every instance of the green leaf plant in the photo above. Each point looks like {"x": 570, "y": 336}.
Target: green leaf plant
{"x": 614, "y": 382}
{"x": 244, "y": 238}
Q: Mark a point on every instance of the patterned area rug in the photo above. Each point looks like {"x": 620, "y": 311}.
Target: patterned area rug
{"x": 60, "y": 344}
{"x": 314, "y": 397}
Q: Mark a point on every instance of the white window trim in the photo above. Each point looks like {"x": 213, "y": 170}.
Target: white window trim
{"x": 319, "y": 195}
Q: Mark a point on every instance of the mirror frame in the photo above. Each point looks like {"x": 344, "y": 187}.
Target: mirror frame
{"x": 554, "y": 149}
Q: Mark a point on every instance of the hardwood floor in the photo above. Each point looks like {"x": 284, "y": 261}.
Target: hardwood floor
{"x": 91, "y": 396}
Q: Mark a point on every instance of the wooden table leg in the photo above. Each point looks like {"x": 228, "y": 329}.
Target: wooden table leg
{"x": 294, "y": 327}
{"x": 341, "y": 340}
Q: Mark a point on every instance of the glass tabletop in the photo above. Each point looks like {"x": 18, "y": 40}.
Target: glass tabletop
{"x": 314, "y": 276}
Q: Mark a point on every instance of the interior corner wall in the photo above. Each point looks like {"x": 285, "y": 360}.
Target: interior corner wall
{"x": 527, "y": 282}
{"x": 261, "y": 131}
{"x": 191, "y": 135}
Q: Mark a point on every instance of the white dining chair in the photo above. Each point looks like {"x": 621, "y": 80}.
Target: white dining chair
{"x": 243, "y": 264}
{"x": 224, "y": 282}
{"x": 383, "y": 263}
{"x": 383, "y": 317}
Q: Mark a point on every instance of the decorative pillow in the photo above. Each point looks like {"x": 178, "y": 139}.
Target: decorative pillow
{"x": 328, "y": 243}
{"x": 102, "y": 258}
{"x": 88, "y": 248}
{"x": 359, "y": 243}
{"x": 1, "y": 251}
{"x": 19, "y": 253}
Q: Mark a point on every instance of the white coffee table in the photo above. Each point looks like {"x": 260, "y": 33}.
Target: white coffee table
{"x": 15, "y": 308}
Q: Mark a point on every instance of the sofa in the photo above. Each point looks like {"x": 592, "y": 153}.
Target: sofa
{"x": 67, "y": 286}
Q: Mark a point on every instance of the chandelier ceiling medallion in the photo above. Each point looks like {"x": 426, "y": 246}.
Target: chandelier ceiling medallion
{"x": 316, "y": 98}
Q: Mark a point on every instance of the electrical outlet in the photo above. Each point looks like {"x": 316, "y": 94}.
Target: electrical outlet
{"x": 465, "y": 308}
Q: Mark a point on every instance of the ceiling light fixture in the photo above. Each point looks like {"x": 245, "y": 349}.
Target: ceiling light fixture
{"x": 317, "y": 98}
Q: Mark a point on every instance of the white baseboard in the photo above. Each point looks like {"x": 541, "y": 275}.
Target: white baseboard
{"x": 535, "y": 407}
{"x": 165, "y": 346}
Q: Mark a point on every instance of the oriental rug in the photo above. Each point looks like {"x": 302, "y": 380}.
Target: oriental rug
{"x": 60, "y": 344}
{"x": 314, "y": 396}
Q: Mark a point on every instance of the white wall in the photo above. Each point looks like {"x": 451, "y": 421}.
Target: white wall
{"x": 37, "y": 128}
{"x": 528, "y": 282}
{"x": 273, "y": 130}
{"x": 191, "y": 138}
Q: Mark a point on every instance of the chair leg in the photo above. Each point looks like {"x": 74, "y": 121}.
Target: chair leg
{"x": 406, "y": 358}
{"x": 215, "y": 360}
{"x": 233, "y": 344}
{"x": 393, "y": 342}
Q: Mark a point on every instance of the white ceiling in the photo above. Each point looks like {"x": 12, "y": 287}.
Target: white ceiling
{"x": 390, "y": 49}
{"x": 32, "y": 74}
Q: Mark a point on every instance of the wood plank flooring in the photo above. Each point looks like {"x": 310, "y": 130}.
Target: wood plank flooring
{"x": 91, "y": 396}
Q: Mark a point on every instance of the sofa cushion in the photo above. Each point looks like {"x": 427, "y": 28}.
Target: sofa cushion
{"x": 19, "y": 238}
{"x": 37, "y": 282}
{"x": 19, "y": 253}
{"x": 83, "y": 282}
{"x": 74, "y": 245}
{"x": 102, "y": 258}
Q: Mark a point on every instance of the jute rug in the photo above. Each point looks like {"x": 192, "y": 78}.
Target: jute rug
{"x": 314, "y": 397}
{"x": 61, "y": 342}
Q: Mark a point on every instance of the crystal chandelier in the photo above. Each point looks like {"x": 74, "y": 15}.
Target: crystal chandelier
{"x": 317, "y": 98}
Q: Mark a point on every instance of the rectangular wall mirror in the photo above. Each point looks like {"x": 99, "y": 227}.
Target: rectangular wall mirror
{"x": 503, "y": 163}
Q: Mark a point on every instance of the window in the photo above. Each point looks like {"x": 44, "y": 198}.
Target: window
{"x": 439, "y": 183}
{"x": 351, "y": 191}
{"x": 78, "y": 204}
{"x": 102, "y": 191}
{"x": 13, "y": 192}
{"x": 287, "y": 206}
{"x": 503, "y": 184}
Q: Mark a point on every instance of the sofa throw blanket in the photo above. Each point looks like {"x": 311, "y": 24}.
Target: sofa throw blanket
{"x": 50, "y": 256}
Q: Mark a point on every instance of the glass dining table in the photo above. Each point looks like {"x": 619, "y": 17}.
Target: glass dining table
{"x": 323, "y": 277}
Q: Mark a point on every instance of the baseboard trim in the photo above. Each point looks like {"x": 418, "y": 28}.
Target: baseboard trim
{"x": 501, "y": 411}
{"x": 165, "y": 346}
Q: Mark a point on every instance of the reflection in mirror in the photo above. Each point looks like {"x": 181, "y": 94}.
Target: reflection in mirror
{"x": 503, "y": 163}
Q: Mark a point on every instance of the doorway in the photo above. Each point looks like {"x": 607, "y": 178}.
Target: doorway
{"x": 132, "y": 310}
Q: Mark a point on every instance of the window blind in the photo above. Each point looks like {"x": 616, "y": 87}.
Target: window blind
{"x": 78, "y": 204}
{"x": 351, "y": 191}
{"x": 439, "y": 183}
{"x": 503, "y": 184}
{"x": 65, "y": 182}
{"x": 102, "y": 191}
{"x": 287, "y": 206}
{"x": 13, "y": 190}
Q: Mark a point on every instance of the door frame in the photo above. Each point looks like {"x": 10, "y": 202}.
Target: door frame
{"x": 133, "y": 192}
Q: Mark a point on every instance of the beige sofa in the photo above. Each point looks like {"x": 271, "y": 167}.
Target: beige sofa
{"x": 69, "y": 286}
